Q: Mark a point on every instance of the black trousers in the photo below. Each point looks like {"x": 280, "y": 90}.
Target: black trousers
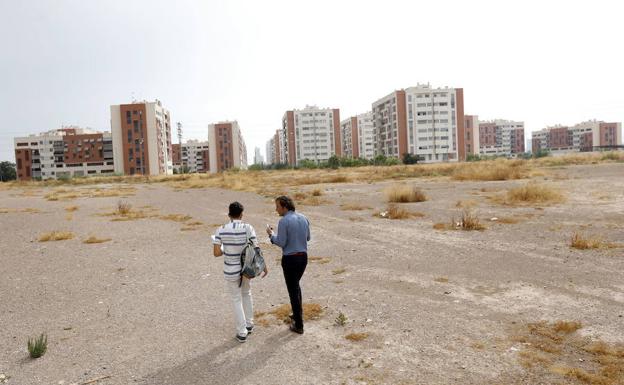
{"x": 293, "y": 267}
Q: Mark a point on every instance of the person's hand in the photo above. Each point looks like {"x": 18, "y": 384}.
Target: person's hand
{"x": 264, "y": 272}
{"x": 269, "y": 230}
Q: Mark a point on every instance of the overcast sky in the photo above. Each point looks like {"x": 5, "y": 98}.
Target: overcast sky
{"x": 64, "y": 62}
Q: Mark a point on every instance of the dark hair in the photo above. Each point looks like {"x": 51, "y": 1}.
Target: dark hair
{"x": 235, "y": 210}
{"x": 285, "y": 202}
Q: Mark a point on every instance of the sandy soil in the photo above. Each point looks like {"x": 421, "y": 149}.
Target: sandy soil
{"x": 148, "y": 307}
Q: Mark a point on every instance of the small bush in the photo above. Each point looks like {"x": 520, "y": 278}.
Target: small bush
{"x": 353, "y": 206}
{"x": 38, "y": 346}
{"x": 93, "y": 239}
{"x": 533, "y": 193}
{"x": 469, "y": 221}
{"x": 317, "y": 192}
{"x": 356, "y": 336}
{"x": 123, "y": 208}
{"x": 341, "y": 319}
{"x": 579, "y": 241}
{"x": 396, "y": 212}
{"x": 404, "y": 194}
{"x": 56, "y": 236}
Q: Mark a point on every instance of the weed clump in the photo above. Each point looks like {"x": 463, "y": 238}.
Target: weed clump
{"x": 404, "y": 194}
{"x": 56, "y": 236}
{"x": 38, "y": 346}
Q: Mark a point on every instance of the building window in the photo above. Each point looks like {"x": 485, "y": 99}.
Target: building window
{"x": 128, "y": 117}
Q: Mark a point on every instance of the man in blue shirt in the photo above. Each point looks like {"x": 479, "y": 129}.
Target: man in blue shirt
{"x": 293, "y": 234}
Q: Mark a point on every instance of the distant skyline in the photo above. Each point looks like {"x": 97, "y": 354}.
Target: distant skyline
{"x": 65, "y": 62}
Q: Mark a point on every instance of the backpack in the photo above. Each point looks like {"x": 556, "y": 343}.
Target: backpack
{"x": 252, "y": 260}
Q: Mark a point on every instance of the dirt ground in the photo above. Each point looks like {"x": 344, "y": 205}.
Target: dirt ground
{"x": 438, "y": 306}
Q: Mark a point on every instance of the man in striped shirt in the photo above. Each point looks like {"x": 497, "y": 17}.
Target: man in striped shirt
{"x": 229, "y": 241}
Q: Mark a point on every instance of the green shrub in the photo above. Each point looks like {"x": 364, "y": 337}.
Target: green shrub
{"x": 38, "y": 346}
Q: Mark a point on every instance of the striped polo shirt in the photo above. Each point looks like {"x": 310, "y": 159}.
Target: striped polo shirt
{"x": 233, "y": 237}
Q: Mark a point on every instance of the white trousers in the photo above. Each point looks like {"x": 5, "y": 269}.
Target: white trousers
{"x": 242, "y": 304}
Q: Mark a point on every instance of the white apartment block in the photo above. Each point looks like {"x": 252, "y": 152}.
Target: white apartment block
{"x": 142, "y": 138}
{"x": 270, "y": 151}
{"x": 227, "y": 146}
{"x": 424, "y": 121}
{"x": 66, "y": 152}
{"x": 311, "y": 133}
{"x": 195, "y": 156}
{"x": 586, "y": 136}
{"x": 501, "y": 137}
{"x": 357, "y": 135}
{"x": 258, "y": 159}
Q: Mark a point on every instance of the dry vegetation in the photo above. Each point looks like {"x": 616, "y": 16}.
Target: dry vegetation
{"x": 319, "y": 260}
{"x": 338, "y": 271}
{"x": 176, "y": 217}
{"x": 499, "y": 169}
{"x": 356, "y": 336}
{"x": 354, "y": 206}
{"x": 397, "y": 212}
{"x": 311, "y": 311}
{"x": 557, "y": 349}
{"x": 93, "y": 239}
{"x": 581, "y": 242}
{"x": 533, "y": 193}
{"x": 71, "y": 208}
{"x": 63, "y": 194}
{"x": 56, "y": 236}
{"x": 468, "y": 220}
{"x": 25, "y": 210}
{"x": 404, "y": 194}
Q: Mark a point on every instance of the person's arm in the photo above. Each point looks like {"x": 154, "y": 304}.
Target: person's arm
{"x": 308, "y": 237}
{"x": 252, "y": 236}
{"x": 216, "y": 244}
{"x": 282, "y": 233}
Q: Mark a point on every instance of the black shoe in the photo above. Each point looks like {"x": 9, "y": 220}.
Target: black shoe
{"x": 241, "y": 339}
{"x": 249, "y": 329}
{"x": 295, "y": 329}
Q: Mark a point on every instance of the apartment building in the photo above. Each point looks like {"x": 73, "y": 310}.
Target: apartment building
{"x": 226, "y": 147}
{"x": 471, "y": 134}
{"x": 65, "y": 152}
{"x": 195, "y": 156}
{"x": 258, "y": 158}
{"x": 590, "y": 135}
{"x": 270, "y": 151}
{"x": 311, "y": 133}
{"x": 142, "y": 138}
{"x": 357, "y": 136}
{"x": 423, "y": 121}
{"x": 501, "y": 137}
{"x": 176, "y": 157}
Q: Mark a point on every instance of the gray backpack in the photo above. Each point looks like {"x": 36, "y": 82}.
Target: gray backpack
{"x": 252, "y": 260}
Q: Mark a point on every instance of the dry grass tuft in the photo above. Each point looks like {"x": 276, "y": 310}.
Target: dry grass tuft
{"x": 176, "y": 217}
{"x": 491, "y": 171}
{"x": 441, "y": 279}
{"x": 56, "y": 236}
{"x": 557, "y": 349}
{"x": 311, "y": 311}
{"x": 507, "y": 220}
{"x": 319, "y": 260}
{"x": 467, "y": 204}
{"x": 93, "y": 239}
{"x": 317, "y": 192}
{"x": 353, "y": 206}
{"x": 396, "y": 212}
{"x": 71, "y": 208}
{"x": 532, "y": 193}
{"x": 468, "y": 221}
{"x": 579, "y": 241}
{"x": 404, "y": 194}
{"x": 24, "y": 210}
{"x": 356, "y": 336}
{"x": 443, "y": 226}
{"x": 123, "y": 208}
{"x": 338, "y": 271}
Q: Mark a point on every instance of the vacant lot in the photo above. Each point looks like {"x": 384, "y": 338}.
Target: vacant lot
{"x": 124, "y": 283}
